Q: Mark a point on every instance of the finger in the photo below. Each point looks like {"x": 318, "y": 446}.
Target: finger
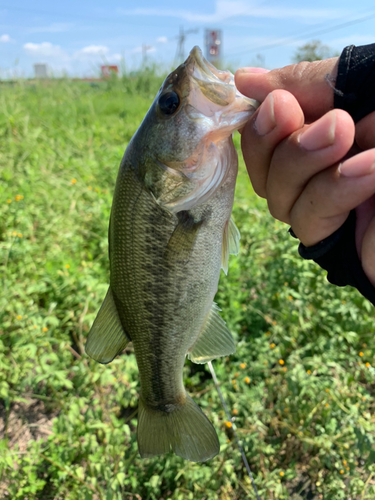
{"x": 279, "y": 116}
{"x": 326, "y": 201}
{"x": 310, "y": 82}
{"x": 302, "y": 155}
{"x": 364, "y": 132}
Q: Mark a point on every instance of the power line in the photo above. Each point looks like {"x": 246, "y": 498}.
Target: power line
{"x": 287, "y": 41}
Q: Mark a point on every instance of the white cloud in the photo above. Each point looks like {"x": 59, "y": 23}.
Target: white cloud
{"x": 162, "y": 39}
{"x": 225, "y": 9}
{"x": 140, "y": 48}
{"x": 4, "y": 38}
{"x": 114, "y": 57}
{"x": 91, "y": 52}
{"x": 52, "y": 28}
{"x": 46, "y": 50}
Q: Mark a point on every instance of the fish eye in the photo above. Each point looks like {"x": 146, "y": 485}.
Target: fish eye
{"x": 169, "y": 102}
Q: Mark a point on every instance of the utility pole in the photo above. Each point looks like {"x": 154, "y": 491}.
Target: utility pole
{"x": 180, "y": 53}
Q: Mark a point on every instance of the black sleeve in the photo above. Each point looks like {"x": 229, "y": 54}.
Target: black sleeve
{"x": 355, "y": 93}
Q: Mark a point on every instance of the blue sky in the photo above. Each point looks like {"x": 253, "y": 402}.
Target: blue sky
{"x": 77, "y": 36}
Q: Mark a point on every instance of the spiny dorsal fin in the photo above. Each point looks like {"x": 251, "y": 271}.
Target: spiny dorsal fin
{"x": 231, "y": 243}
{"x": 214, "y": 341}
{"x": 106, "y": 338}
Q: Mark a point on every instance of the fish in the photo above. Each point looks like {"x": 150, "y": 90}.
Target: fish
{"x": 170, "y": 233}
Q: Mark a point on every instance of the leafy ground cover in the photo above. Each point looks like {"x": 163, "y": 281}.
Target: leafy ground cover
{"x": 300, "y": 385}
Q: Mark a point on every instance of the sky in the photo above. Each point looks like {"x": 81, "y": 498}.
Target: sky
{"x": 76, "y": 37}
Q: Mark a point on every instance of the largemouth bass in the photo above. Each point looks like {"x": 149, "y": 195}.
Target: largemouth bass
{"x": 170, "y": 232}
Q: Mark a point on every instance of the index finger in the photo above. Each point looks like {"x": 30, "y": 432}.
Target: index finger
{"x": 311, "y": 83}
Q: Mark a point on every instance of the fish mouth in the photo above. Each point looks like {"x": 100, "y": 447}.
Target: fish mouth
{"x": 205, "y": 70}
{"x": 219, "y": 89}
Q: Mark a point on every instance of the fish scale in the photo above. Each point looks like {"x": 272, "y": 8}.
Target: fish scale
{"x": 170, "y": 233}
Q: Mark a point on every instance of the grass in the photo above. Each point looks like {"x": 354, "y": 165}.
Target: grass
{"x": 300, "y": 385}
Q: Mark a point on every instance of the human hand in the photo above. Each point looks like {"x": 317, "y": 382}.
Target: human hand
{"x": 301, "y": 155}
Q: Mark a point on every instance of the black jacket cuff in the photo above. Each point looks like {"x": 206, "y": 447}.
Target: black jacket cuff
{"x": 338, "y": 255}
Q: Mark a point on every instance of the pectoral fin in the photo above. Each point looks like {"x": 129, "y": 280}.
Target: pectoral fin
{"x": 231, "y": 243}
{"x": 214, "y": 341}
{"x": 183, "y": 237}
{"x": 107, "y": 337}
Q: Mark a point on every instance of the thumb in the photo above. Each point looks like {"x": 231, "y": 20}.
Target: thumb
{"x": 311, "y": 83}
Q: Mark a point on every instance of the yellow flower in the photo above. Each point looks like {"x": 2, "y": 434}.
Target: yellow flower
{"x": 19, "y": 317}
{"x": 19, "y": 197}
{"x": 326, "y": 405}
{"x": 272, "y": 346}
{"x": 286, "y": 283}
{"x": 344, "y": 462}
{"x": 243, "y": 365}
{"x": 14, "y": 233}
{"x": 281, "y": 473}
{"x": 327, "y": 390}
{"x": 19, "y": 235}
{"x": 308, "y": 372}
{"x": 236, "y": 374}
{"x": 67, "y": 266}
{"x": 274, "y": 323}
{"x": 247, "y": 380}
{"x": 285, "y": 369}
{"x": 44, "y": 328}
{"x": 35, "y": 327}
{"x": 73, "y": 181}
{"x": 228, "y": 424}
{"x": 9, "y": 200}
{"x": 282, "y": 362}
{"x": 368, "y": 364}
{"x": 235, "y": 411}
{"x": 290, "y": 297}
{"x": 361, "y": 354}
{"x": 341, "y": 471}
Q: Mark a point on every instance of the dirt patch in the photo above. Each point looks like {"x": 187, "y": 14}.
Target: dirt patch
{"x": 26, "y": 421}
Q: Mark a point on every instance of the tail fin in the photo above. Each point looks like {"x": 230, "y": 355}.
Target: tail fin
{"x": 185, "y": 429}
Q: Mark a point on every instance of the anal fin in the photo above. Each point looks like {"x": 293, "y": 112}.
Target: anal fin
{"x": 107, "y": 337}
{"x": 231, "y": 243}
{"x": 214, "y": 341}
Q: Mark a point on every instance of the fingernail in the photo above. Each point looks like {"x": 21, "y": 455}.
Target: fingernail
{"x": 253, "y": 70}
{"x": 320, "y": 134}
{"x": 265, "y": 121}
{"x": 356, "y": 167}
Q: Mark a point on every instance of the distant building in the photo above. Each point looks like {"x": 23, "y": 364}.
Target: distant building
{"x": 41, "y": 70}
{"x": 109, "y": 70}
{"x": 213, "y": 45}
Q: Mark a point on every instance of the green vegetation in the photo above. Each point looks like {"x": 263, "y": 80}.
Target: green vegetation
{"x": 300, "y": 385}
{"x": 313, "y": 51}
